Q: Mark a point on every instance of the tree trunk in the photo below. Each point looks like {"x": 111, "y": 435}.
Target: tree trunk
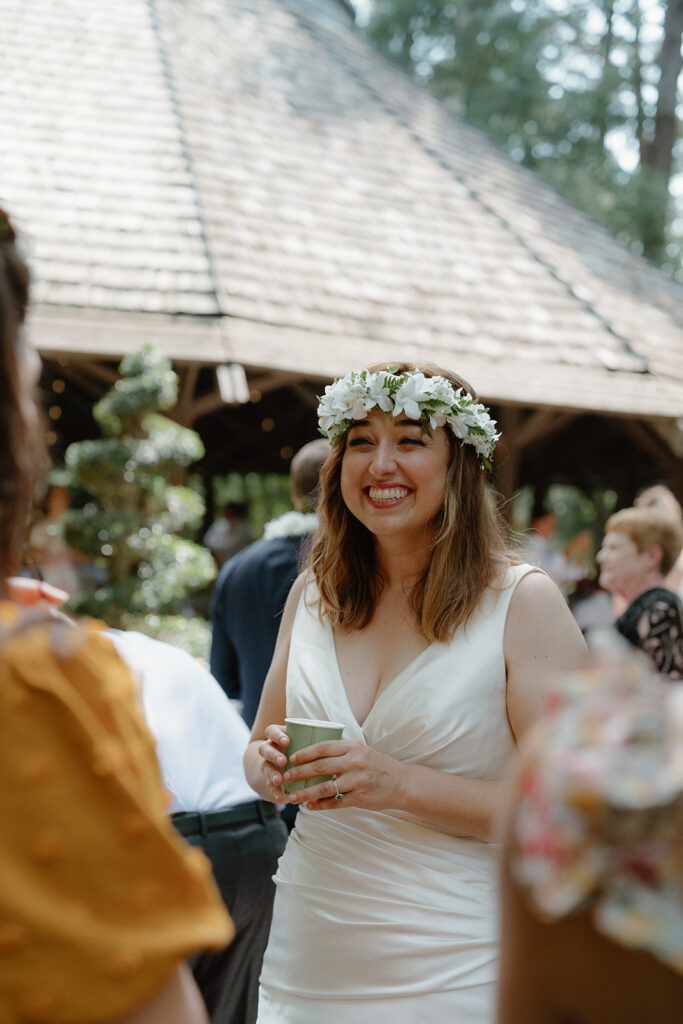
{"x": 659, "y": 155}
{"x": 607, "y": 41}
{"x": 638, "y": 81}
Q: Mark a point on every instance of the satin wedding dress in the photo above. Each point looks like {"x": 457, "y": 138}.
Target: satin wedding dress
{"x": 380, "y": 918}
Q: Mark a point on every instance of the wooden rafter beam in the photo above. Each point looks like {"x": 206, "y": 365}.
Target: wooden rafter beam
{"x": 99, "y": 371}
{"x": 306, "y": 397}
{"x": 184, "y": 409}
{"x": 84, "y": 381}
{"x": 540, "y": 424}
{"x": 654, "y": 445}
{"x": 272, "y": 381}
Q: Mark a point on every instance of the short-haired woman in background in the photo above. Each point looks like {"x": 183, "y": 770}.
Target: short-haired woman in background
{"x": 639, "y": 548}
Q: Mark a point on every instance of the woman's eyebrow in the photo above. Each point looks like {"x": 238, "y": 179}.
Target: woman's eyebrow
{"x": 403, "y": 422}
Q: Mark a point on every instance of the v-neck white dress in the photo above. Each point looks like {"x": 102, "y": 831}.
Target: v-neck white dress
{"x": 380, "y": 917}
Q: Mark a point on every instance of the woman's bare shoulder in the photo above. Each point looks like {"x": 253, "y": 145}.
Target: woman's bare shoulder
{"x": 539, "y": 620}
{"x": 536, "y": 591}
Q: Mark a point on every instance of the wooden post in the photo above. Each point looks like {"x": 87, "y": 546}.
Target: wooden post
{"x": 507, "y": 457}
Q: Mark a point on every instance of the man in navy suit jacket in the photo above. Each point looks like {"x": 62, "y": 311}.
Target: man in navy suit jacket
{"x": 252, "y": 587}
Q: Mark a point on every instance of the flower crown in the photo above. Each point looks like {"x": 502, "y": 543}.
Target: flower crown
{"x": 431, "y": 400}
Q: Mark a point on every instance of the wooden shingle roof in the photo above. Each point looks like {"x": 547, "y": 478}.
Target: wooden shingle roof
{"x": 248, "y": 180}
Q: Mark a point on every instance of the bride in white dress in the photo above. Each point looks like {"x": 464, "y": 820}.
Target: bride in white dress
{"x": 414, "y": 627}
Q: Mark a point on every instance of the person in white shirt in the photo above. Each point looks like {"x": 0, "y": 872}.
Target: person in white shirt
{"x": 201, "y": 741}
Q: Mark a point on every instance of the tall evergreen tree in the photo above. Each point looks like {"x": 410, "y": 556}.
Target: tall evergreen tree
{"x": 582, "y": 92}
{"x": 130, "y": 526}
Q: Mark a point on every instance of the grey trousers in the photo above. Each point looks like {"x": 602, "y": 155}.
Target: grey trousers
{"x": 244, "y": 859}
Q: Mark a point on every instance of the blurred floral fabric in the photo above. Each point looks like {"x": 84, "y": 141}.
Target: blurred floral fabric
{"x": 598, "y": 825}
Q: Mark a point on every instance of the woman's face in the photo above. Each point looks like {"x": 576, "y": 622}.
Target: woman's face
{"x": 622, "y": 565}
{"x": 393, "y": 476}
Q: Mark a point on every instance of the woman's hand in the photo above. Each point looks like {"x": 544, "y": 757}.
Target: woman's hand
{"x": 362, "y": 777}
{"x": 273, "y": 760}
{"x": 26, "y": 591}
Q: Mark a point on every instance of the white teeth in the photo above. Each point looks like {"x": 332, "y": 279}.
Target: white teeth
{"x": 387, "y": 493}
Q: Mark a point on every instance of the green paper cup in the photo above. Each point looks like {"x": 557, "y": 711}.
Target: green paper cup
{"x": 304, "y": 732}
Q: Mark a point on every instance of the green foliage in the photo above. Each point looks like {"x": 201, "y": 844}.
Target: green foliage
{"x": 191, "y": 633}
{"x": 147, "y": 382}
{"x": 266, "y": 495}
{"x": 569, "y": 89}
{"x": 130, "y": 525}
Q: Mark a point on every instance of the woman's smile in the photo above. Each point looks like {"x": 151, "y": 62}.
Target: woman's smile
{"x": 385, "y": 496}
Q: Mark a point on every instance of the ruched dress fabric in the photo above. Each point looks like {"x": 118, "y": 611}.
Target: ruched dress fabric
{"x": 378, "y": 916}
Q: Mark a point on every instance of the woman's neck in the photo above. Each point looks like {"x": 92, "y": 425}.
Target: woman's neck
{"x": 399, "y": 564}
{"x": 645, "y": 583}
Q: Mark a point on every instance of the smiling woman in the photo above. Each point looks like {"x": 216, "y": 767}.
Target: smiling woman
{"x": 639, "y": 548}
{"x": 413, "y": 626}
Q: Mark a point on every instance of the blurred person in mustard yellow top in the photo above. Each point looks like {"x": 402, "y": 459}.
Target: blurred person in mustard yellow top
{"x": 100, "y": 900}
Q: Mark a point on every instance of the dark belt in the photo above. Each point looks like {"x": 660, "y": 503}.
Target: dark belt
{"x": 199, "y": 823}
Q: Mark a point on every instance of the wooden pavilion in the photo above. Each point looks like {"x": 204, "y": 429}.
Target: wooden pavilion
{"x": 249, "y": 184}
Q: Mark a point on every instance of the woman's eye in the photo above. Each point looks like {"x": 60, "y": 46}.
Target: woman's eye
{"x": 412, "y": 440}
{"x": 356, "y": 442}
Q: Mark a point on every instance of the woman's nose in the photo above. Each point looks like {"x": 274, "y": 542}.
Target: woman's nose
{"x": 384, "y": 459}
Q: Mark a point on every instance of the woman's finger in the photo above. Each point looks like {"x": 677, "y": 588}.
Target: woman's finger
{"x": 311, "y": 769}
{"x": 277, "y": 735}
{"x": 329, "y": 796}
{"x": 328, "y": 748}
{"x": 272, "y": 755}
{"x": 27, "y": 591}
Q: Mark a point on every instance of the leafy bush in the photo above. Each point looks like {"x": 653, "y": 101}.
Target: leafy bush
{"x": 130, "y": 527}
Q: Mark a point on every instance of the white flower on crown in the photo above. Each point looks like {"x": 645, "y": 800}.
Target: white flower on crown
{"x": 431, "y": 400}
{"x": 350, "y": 398}
{"x": 414, "y": 390}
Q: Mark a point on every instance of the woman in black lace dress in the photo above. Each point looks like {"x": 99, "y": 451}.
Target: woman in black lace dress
{"x": 638, "y": 550}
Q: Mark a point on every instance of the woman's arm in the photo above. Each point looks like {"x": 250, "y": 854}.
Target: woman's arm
{"x": 541, "y": 639}
{"x": 176, "y": 1002}
{"x": 264, "y": 759}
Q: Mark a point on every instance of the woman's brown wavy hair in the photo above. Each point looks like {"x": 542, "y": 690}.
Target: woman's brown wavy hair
{"x": 22, "y": 450}
{"x": 470, "y": 550}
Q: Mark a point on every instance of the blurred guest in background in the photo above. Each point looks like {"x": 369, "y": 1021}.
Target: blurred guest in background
{"x": 539, "y": 549}
{"x": 252, "y": 588}
{"x": 591, "y": 606}
{"x": 230, "y": 533}
{"x": 661, "y": 497}
{"x": 639, "y": 548}
{"x": 55, "y": 560}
